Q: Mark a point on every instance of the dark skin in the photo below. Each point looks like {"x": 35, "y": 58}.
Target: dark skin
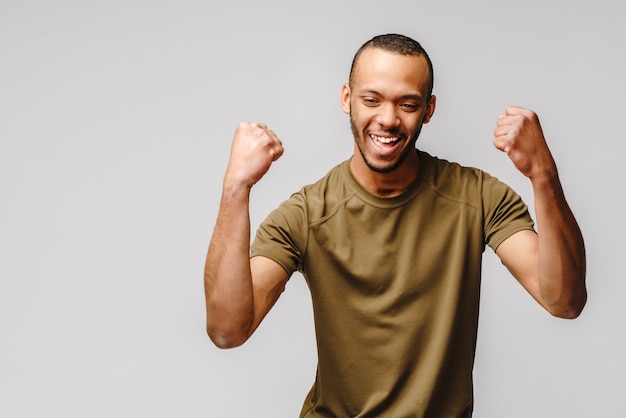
{"x": 388, "y": 104}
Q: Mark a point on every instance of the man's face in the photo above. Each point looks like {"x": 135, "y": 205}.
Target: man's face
{"x": 387, "y": 104}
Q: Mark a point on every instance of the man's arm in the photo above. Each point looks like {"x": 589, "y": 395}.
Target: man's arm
{"x": 240, "y": 291}
{"x": 550, "y": 265}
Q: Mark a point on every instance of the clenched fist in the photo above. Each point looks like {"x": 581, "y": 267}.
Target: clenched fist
{"x": 254, "y": 148}
{"x": 519, "y": 135}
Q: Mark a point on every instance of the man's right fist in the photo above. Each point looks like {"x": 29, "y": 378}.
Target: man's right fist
{"x": 254, "y": 148}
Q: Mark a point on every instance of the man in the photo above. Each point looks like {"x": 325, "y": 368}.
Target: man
{"x": 390, "y": 243}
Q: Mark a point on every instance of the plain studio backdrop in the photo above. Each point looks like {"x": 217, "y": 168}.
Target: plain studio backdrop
{"x": 116, "y": 119}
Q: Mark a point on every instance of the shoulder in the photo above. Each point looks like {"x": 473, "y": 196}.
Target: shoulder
{"x": 452, "y": 179}
{"x": 330, "y": 190}
{"x": 442, "y": 169}
{"x": 334, "y": 177}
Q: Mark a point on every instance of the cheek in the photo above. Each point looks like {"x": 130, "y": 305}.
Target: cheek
{"x": 359, "y": 117}
{"x": 418, "y": 120}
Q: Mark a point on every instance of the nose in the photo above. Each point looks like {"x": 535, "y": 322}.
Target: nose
{"x": 388, "y": 116}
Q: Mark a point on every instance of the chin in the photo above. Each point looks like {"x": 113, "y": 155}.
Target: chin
{"x": 382, "y": 167}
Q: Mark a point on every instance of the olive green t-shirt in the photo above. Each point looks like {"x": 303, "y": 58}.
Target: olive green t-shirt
{"x": 395, "y": 285}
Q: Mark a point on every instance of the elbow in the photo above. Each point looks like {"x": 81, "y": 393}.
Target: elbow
{"x": 225, "y": 337}
{"x": 570, "y": 309}
{"x": 226, "y": 342}
{"x": 568, "y": 300}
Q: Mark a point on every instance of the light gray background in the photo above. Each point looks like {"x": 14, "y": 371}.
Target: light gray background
{"x": 115, "y": 125}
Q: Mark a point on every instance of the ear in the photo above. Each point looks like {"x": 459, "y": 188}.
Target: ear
{"x": 344, "y": 98}
{"x": 432, "y": 102}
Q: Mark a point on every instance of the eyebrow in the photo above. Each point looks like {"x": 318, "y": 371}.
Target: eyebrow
{"x": 411, "y": 96}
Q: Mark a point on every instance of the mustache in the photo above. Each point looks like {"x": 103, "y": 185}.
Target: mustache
{"x": 397, "y": 132}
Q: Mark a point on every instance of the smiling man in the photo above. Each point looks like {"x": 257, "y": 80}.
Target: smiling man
{"x": 390, "y": 243}
{"x": 388, "y": 98}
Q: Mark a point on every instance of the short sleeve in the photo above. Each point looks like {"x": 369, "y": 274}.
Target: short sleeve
{"x": 282, "y": 236}
{"x": 504, "y": 212}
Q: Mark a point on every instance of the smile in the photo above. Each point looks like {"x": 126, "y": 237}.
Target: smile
{"x": 384, "y": 139}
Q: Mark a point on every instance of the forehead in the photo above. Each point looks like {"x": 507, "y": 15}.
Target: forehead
{"x": 378, "y": 68}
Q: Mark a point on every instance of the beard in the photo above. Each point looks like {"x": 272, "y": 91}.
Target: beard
{"x": 380, "y": 168}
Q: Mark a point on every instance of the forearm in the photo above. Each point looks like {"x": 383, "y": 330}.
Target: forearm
{"x": 227, "y": 276}
{"x": 562, "y": 262}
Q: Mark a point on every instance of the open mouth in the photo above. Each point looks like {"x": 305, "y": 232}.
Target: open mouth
{"x": 385, "y": 145}
{"x": 384, "y": 139}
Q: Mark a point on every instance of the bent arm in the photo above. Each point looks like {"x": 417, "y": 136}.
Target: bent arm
{"x": 551, "y": 265}
{"x": 239, "y": 291}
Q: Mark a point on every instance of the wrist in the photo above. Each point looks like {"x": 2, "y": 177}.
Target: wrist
{"x": 235, "y": 188}
{"x": 547, "y": 184}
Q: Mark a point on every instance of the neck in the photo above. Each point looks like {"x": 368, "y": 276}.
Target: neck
{"x": 389, "y": 184}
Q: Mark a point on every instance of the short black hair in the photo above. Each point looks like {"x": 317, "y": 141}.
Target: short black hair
{"x": 399, "y": 44}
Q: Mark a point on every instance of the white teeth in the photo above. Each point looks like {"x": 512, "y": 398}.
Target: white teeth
{"x": 383, "y": 139}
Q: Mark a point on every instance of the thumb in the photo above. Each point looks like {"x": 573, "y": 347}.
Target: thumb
{"x": 514, "y": 110}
